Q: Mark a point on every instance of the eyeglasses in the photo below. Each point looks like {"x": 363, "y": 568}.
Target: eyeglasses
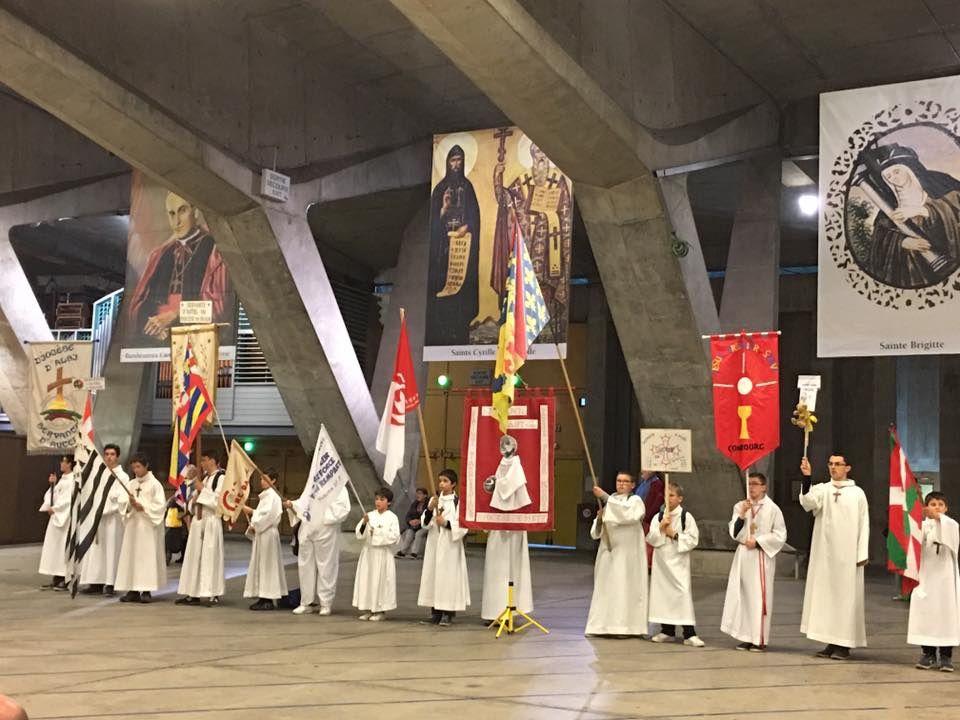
{"x": 840, "y": 464}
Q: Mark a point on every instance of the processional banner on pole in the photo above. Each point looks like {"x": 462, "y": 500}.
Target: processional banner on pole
{"x": 507, "y": 481}
{"x": 58, "y": 371}
{"x": 745, "y": 372}
{"x": 889, "y": 225}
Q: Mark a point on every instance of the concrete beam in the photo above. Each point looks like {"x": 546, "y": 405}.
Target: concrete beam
{"x": 608, "y": 156}
{"x": 269, "y": 251}
{"x": 21, "y": 318}
{"x": 405, "y": 167}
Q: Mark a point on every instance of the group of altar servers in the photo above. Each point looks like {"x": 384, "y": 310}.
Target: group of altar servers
{"x": 128, "y": 556}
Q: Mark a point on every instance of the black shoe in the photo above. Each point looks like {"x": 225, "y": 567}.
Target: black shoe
{"x": 131, "y": 596}
{"x": 108, "y": 590}
{"x": 210, "y": 602}
{"x": 92, "y": 590}
{"x": 413, "y": 556}
{"x": 926, "y": 662}
{"x": 263, "y": 604}
{"x": 826, "y": 652}
{"x": 946, "y": 664}
{"x": 840, "y": 653}
{"x": 745, "y": 646}
{"x": 445, "y": 620}
{"x": 399, "y": 554}
{"x": 146, "y": 598}
{"x": 435, "y": 617}
{"x": 186, "y": 601}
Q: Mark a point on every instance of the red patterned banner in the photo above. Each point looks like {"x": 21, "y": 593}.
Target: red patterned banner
{"x": 745, "y": 372}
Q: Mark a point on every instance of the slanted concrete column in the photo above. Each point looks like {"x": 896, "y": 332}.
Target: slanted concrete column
{"x": 269, "y": 250}
{"x": 409, "y": 292}
{"x": 751, "y": 287}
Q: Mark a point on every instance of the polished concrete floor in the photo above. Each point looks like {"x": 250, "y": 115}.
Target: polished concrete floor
{"x": 94, "y": 658}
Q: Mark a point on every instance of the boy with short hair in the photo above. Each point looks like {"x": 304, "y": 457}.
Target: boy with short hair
{"x": 414, "y": 534}
{"x": 202, "y": 575}
{"x": 56, "y": 503}
{"x": 266, "y": 578}
{"x": 141, "y": 569}
{"x": 444, "y": 585}
{"x": 98, "y": 570}
{"x": 375, "y": 587}
{"x": 673, "y": 535}
{"x": 935, "y": 603}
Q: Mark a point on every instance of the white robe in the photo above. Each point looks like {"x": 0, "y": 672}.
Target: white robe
{"x": 53, "y": 555}
{"x": 375, "y": 587}
{"x": 99, "y": 565}
{"x": 833, "y": 598}
{"x": 266, "y": 577}
{"x": 671, "y": 593}
{"x": 444, "y": 584}
{"x": 506, "y": 558}
{"x": 142, "y": 567}
{"x": 619, "y": 603}
{"x": 318, "y": 557}
{"x": 510, "y": 490}
{"x": 752, "y": 574}
{"x": 935, "y": 602}
{"x": 202, "y": 573}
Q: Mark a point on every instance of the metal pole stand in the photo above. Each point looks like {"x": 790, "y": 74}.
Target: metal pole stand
{"x": 505, "y": 620}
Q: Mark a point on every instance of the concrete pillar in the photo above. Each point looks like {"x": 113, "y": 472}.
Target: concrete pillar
{"x": 269, "y": 250}
{"x": 21, "y": 319}
{"x": 918, "y": 410}
{"x": 949, "y": 421}
{"x": 410, "y": 281}
{"x": 750, "y": 298}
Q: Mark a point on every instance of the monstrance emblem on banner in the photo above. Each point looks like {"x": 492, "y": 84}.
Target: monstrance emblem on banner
{"x": 746, "y": 395}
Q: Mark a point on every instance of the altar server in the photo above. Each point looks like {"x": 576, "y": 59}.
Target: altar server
{"x": 375, "y": 587}
{"x": 202, "y": 574}
{"x": 619, "y": 604}
{"x": 98, "y": 570}
{"x": 674, "y": 535}
{"x": 56, "y": 504}
{"x": 142, "y": 568}
{"x": 266, "y": 577}
{"x": 758, "y": 528}
{"x": 935, "y": 603}
{"x": 833, "y": 598}
{"x": 444, "y": 585}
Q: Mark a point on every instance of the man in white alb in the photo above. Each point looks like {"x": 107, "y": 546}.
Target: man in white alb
{"x": 99, "y": 567}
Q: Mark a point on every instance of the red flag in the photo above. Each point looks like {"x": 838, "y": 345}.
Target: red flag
{"x": 905, "y": 538}
{"x": 403, "y": 397}
{"x": 86, "y": 422}
{"x": 745, "y": 371}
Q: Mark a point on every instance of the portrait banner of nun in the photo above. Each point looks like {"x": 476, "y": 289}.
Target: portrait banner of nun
{"x": 483, "y": 182}
{"x": 507, "y": 480}
{"x": 889, "y": 220}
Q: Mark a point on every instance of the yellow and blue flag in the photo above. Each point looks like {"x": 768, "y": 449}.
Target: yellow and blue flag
{"x": 192, "y": 410}
{"x": 522, "y": 317}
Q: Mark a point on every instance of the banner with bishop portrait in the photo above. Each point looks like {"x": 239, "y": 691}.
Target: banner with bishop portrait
{"x": 889, "y": 226}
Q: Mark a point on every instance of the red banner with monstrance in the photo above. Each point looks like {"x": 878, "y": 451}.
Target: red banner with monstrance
{"x": 745, "y": 371}
{"x": 497, "y": 493}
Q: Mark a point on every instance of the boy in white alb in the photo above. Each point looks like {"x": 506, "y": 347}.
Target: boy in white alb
{"x": 444, "y": 585}
{"x": 266, "y": 578}
{"x": 98, "y": 570}
{"x": 935, "y": 602}
{"x": 202, "y": 575}
{"x": 56, "y": 503}
{"x": 375, "y": 587}
{"x": 318, "y": 553}
{"x": 673, "y": 535}
{"x": 757, "y": 526}
{"x": 142, "y": 568}
{"x": 619, "y": 604}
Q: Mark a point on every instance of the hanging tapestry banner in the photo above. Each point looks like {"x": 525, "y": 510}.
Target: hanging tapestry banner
{"x": 57, "y": 395}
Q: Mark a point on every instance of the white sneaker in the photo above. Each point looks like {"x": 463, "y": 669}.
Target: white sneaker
{"x": 305, "y": 609}
{"x": 376, "y": 617}
{"x": 661, "y": 638}
{"x": 365, "y": 616}
{"x": 324, "y": 610}
{"x": 694, "y": 642}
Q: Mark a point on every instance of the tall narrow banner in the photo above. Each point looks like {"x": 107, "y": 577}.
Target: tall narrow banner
{"x": 402, "y": 397}
{"x": 487, "y": 464}
{"x": 171, "y": 259}
{"x": 480, "y": 179}
{"x": 745, "y": 371}
{"x": 57, "y": 395}
{"x": 204, "y": 354}
{"x": 236, "y": 483}
{"x": 905, "y": 516}
{"x": 889, "y": 227}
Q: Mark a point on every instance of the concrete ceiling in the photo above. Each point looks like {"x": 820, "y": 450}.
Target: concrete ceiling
{"x": 798, "y": 48}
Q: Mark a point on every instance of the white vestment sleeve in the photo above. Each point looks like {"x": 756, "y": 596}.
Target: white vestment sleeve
{"x": 654, "y": 537}
{"x": 688, "y": 538}
{"x": 267, "y": 513}
{"x": 153, "y": 502}
{"x": 595, "y": 529}
{"x": 813, "y": 500}
{"x": 863, "y": 531}
{"x": 772, "y": 542}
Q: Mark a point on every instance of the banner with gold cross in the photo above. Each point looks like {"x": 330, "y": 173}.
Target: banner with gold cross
{"x": 745, "y": 371}
{"x": 58, "y": 374}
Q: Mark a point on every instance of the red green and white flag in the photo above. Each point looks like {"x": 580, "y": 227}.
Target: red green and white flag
{"x": 906, "y": 518}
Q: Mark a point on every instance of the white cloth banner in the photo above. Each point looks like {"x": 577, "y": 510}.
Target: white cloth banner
{"x": 327, "y": 477}
{"x": 57, "y": 395}
{"x": 889, "y": 240}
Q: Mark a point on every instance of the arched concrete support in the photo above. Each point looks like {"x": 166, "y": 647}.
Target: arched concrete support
{"x": 21, "y": 319}
{"x": 516, "y": 63}
{"x": 269, "y": 251}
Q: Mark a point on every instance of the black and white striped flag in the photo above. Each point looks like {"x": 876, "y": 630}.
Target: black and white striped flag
{"x": 93, "y": 481}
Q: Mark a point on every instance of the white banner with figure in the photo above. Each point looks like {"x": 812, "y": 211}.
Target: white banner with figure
{"x": 889, "y": 241}
{"x": 57, "y": 395}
